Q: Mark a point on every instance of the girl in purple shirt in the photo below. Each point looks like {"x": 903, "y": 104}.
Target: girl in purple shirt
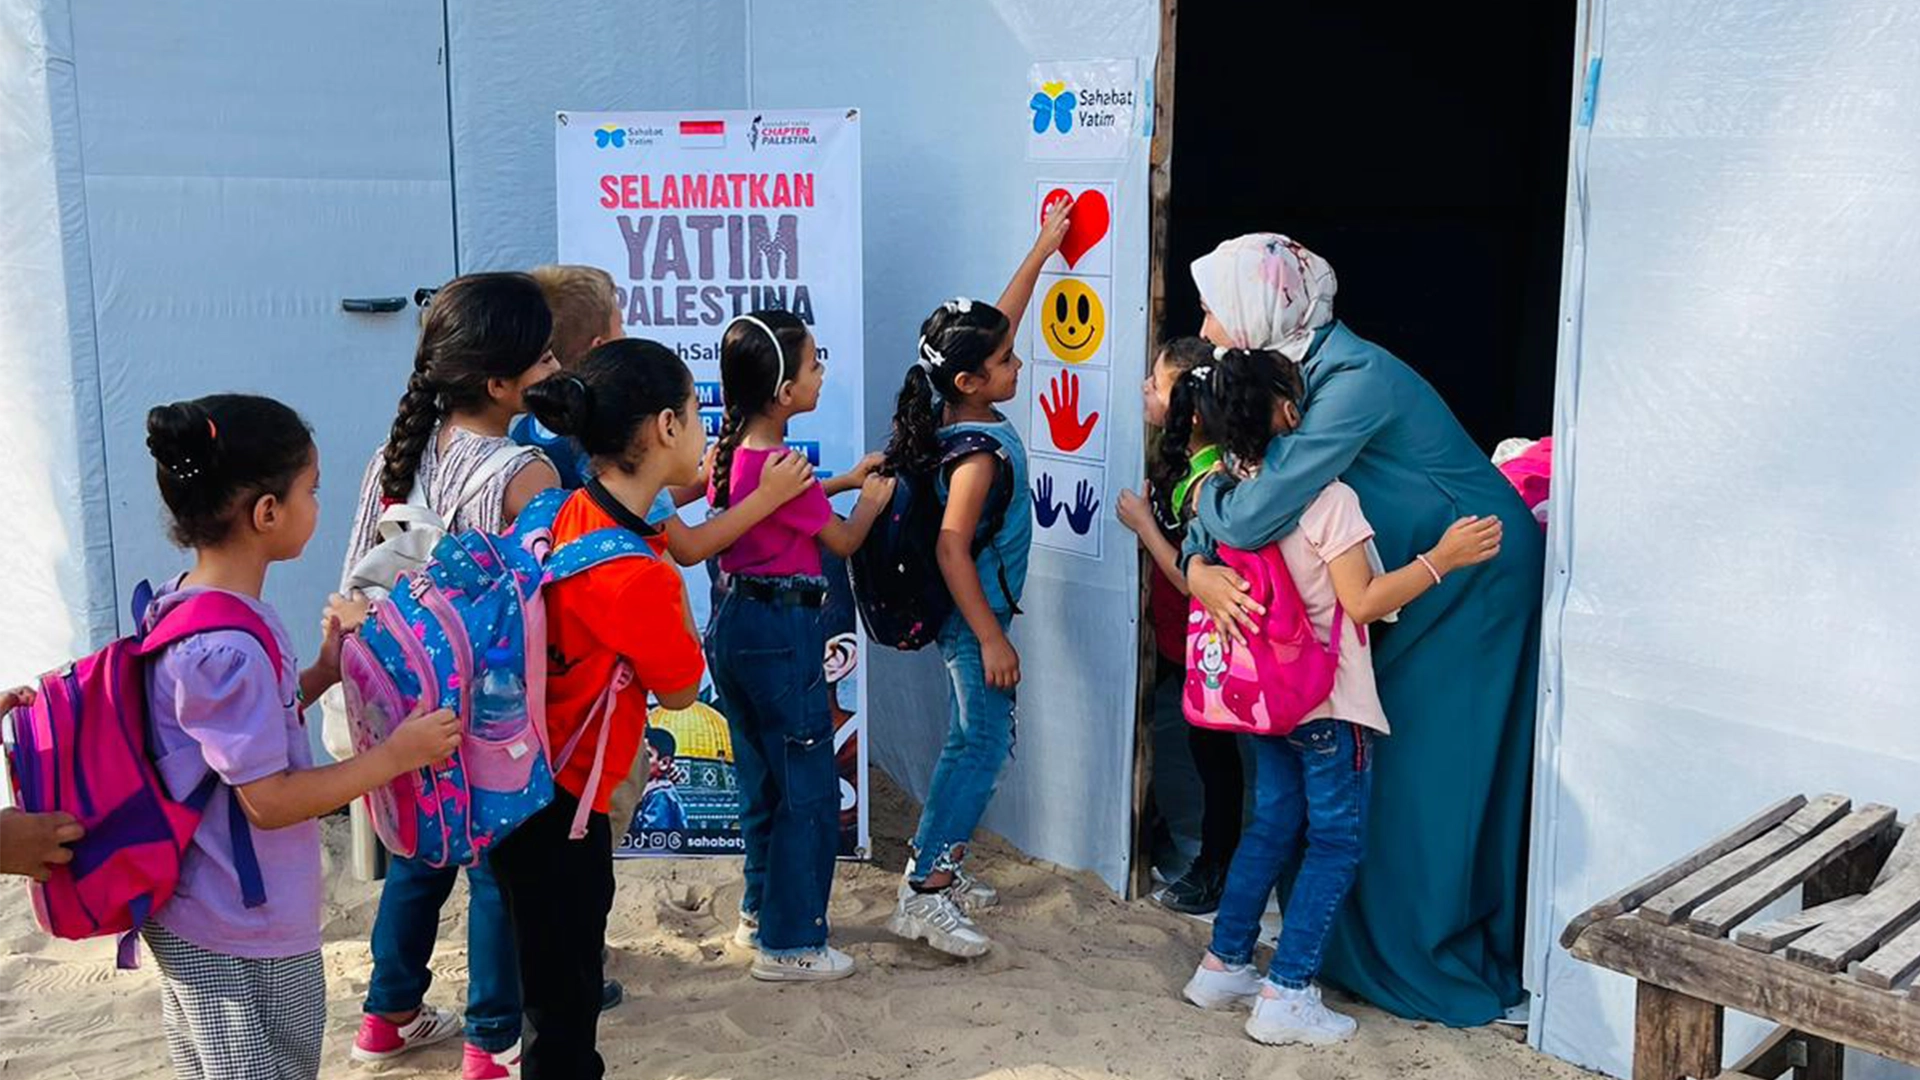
{"x": 243, "y": 991}
{"x": 768, "y": 652}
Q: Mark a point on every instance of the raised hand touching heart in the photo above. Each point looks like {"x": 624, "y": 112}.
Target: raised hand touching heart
{"x": 1069, "y": 432}
{"x": 1092, "y": 217}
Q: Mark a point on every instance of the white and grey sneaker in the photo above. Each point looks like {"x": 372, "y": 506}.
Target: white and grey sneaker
{"x": 822, "y": 965}
{"x": 1238, "y": 985}
{"x": 935, "y": 919}
{"x": 1297, "y": 1016}
{"x": 972, "y": 895}
{"x": 747, "y": 934}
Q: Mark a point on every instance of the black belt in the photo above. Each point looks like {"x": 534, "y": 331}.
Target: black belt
{"x": 780, "y": 595}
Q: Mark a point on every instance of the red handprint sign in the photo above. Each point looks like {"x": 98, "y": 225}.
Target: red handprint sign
{"x": 1061, "y": 405}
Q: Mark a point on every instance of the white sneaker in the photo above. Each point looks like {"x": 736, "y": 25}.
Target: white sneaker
{"x": 823, "y": 965}
{"x": 935, "y": 919}
{"x": 747, "y": 934}
{"x": 1238, "y": 985}
{"x": 1297, "y": 1016}
{"x": 381, "y": 1040}
{"x": 972, "y": 895}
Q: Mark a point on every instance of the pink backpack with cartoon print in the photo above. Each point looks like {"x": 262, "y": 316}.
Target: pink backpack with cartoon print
{"x": 1282, "y": 673}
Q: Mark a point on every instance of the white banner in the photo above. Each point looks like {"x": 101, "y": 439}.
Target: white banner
{"x": 699, "y": 217}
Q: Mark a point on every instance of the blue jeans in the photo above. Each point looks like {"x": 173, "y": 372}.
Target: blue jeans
{"x": 769, "y": 665}
{"x": 979, "y": 740}
{"x": 403, "y": 937}
{"x": 1309, "y": 786}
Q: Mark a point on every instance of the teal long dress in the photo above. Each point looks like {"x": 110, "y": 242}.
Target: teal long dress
{"x": 1432, "y": 929}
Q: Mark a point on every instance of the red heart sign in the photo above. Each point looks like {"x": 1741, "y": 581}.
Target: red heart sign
{"x": 1090, "y": 218}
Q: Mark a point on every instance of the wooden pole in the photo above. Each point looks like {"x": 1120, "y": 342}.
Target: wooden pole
{"x": 1160, "y": 182}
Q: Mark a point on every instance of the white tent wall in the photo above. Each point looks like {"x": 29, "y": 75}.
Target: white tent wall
{"x": 1731, "y": 617}
{"x": 947, "y": 190}
{"x": 59, "y": 561}
{"x": 514, "y": 67}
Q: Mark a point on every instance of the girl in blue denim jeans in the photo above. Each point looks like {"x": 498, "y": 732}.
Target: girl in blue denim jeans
{"x": 1311, "y": 786}
{"x": 768, "y": 650}
{"x": 965, "y": 368}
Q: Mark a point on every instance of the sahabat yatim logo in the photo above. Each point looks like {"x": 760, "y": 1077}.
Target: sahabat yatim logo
{"x": 1053, "y": 106}
{"x": 611, "y": 136}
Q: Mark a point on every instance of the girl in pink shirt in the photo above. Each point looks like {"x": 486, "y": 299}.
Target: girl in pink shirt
{"x": 1311, "y": 786}
{"x": 768, "y": 653}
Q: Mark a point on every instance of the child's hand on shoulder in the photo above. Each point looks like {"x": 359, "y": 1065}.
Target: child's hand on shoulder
{"x": 868, "y": 466}
{"x": 1053, "y": 227}
{"x": 787, "y": 475}
{"x": 1468, "y": 542}
{"x": 1135, "y": 513}
{"x": 424, "y": 739}
{"x": 877, "y": 490}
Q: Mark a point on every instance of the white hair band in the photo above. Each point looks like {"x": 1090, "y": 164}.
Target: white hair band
{"x": 780, "y": 355}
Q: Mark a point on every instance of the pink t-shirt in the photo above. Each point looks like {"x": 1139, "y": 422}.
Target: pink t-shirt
{"x": 783, "y": 544}
{"x": 1332, "y": 526}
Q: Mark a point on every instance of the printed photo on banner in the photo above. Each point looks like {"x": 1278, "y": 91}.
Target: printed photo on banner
{"x": 1069, "y": 504}
{"x": 1088, "y": 248}
{"x": 1070, "y": 320}
{"x": 701, "y": 217}
{"x": 1084, "y": 110}
{"x": 1070, "y": 413}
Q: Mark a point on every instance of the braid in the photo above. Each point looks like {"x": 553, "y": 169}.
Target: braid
{"x": 1170, "y": 466}
{"x": 915, "y": 444}
{"x": 413, "y": 425}
{"x": 732, "y": 430}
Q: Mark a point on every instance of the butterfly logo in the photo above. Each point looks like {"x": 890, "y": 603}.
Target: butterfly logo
{"x": 1053, "y": 104}
{"x": 610, "y": 135}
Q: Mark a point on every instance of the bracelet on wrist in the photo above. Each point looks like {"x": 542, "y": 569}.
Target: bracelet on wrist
{"x": 1428, "y": 563}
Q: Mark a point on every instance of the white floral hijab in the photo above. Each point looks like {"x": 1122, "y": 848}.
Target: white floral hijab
{"x": 1268, "y": 291}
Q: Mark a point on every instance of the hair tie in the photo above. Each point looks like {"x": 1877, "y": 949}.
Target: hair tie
{"x": 959, "y": 305}
{"x": 1220, "y": 352}
{"x": 780, "y": 371}
{"x": 1201, "y": 373}
{"x": 930, "y": 357}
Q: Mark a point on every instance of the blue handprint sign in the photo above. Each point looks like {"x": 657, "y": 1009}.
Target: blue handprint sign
{"x": 1064, "y": 523}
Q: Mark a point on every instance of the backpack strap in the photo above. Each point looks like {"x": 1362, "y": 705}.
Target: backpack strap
{"x": 600, "y": 546}
{"x": 964, "y": 444}
{"x": 204, "y": 614}
{"x": 490, "y": 466}
{"x": 601, "y": 715}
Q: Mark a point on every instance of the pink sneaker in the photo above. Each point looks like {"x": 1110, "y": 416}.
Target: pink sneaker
{"x": 477, "y": 1064}
{"x": 381, "y": 1039}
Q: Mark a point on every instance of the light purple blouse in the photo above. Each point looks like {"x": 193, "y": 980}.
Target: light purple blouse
{"x": 216, "y": 704}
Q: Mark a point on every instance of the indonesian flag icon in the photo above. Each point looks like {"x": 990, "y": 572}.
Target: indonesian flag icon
{"x": 710, "y": 134}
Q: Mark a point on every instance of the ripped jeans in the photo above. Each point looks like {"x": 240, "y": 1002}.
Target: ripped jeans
{"x": 979, "y": 740}
{"x": 769, "y": 664}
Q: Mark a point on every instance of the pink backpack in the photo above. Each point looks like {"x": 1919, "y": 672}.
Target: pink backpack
{"x": 1282, "y": 673}
{"x": 85, "y": 747}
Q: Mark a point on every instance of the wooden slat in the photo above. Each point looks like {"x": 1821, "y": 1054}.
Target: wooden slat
{"x": 1675, "y": 1036}
{"x": 1906, "y": 853}
{"x": 1637, "y": 893}
{"x": 1770, "y": 936}
{"x": 1735, "y": 905}
{"x": 1679, "y": 901}
{"x": 1894, "y": 962}
{"x": 1828, "y": 1006}
{"x": 1879, "y": 914}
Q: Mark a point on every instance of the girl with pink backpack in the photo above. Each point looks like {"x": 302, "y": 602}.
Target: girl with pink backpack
{"x": 1312, "y": 749}
{"x": 242, "y": 985}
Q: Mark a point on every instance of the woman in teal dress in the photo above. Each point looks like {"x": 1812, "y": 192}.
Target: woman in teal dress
{"x": 1432, "y": 929}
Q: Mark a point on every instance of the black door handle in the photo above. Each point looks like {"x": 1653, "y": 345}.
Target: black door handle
{"x": 381, "y": 305}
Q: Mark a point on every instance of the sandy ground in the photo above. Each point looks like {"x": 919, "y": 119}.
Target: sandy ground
{"x": 1080, "y": 984}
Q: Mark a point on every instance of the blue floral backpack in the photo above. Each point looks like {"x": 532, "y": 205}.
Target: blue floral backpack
{"x": 468, "y": 632}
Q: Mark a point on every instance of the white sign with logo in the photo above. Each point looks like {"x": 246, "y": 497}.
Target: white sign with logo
{"x": 701, "y": 217}
{"x": 1083, "y": 110}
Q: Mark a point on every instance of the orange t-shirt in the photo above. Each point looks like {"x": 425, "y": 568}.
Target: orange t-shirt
{"x": 633, "y": 608}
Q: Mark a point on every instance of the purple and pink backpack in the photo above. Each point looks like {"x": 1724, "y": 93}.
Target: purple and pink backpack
{"x": 85, "y": 746}
{"x": 1283, "y": 672}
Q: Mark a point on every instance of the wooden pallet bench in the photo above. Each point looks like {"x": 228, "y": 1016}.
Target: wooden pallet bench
{"x": 1839, "y": 973}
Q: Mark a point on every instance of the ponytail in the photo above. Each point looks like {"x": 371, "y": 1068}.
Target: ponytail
{"x": 1171, "y": 464}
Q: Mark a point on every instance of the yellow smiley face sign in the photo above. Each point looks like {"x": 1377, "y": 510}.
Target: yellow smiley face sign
{"x": 1073, "y": 320}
